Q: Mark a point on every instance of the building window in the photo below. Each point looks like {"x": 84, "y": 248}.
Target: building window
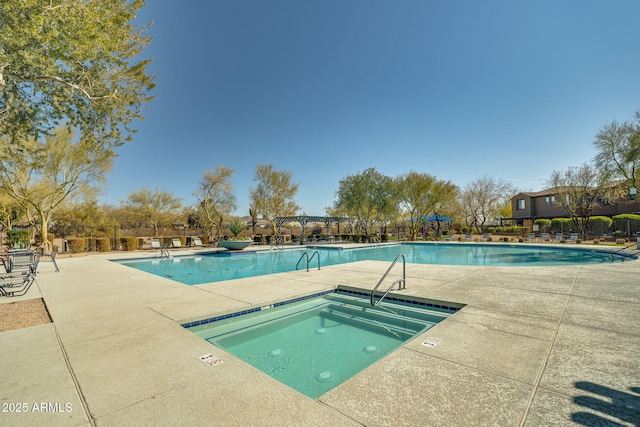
{"x": 550, "y": 201}
{"x": 547, "y": 201}
{"x": 520, "y": 205}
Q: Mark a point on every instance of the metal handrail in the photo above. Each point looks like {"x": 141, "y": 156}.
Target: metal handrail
{"x": 626, "y": 247}
{"x": 310, "y": 259}
{"x": 302, "y": 256}
{"x": 402, "y": 283}
{"x": 306, "y": 254}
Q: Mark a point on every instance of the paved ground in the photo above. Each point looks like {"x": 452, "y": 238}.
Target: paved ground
{"x": 534, "y": 346}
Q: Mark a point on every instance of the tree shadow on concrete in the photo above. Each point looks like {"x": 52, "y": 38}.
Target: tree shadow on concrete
{"x": 616, "y": 408}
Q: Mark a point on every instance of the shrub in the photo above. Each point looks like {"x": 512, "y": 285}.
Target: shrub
{"x": 77, "y": 244}
{"x": 103, "y": 244}
{"x": 18, "y": 239}
{"x": 357, "y": 238}
{"x": 129, "y": 243}
{"x": 559, "y": 225}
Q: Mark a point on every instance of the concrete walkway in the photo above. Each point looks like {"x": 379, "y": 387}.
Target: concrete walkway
{"x": 534, "y": 346}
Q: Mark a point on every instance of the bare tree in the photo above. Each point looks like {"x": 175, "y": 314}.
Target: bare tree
{"x": 216, "y": 199}
{"x": 581, "y": 189}
{"x": 483, "y": 199}
{"x": 618, "y": 149}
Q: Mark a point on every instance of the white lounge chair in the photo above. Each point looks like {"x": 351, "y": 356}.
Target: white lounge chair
{"x": 176, "y": 243}
{"x": 196, "y": 242}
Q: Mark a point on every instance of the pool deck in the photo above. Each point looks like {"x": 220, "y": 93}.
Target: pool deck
{"x": 534, "y": 346}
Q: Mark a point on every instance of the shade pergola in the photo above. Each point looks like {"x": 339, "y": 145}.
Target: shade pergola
{"x": 303, "y": 220}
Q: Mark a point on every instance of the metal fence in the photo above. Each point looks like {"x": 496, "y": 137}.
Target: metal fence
{"x": 61, "y": 235}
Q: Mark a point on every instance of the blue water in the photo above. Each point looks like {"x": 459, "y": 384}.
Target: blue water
{"x": 205, "y": 268}
{"x": 314, "y": 345}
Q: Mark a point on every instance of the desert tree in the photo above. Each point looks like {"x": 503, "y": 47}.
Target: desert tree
{"x": 274, "y": 194}
{"x": 580, "y": 189}
{"x": 420, "y": 194}
{"x": 215, "y": 199}
{"x": 74, "y": 63}
{"x": 10, "y": 211}
{"x": 369, "y": 196}
{"x": 618, "y": 149}
{"x": 157, "y": 208}
{"x": 483, "y": 199}
{"x": 41, "y": 174}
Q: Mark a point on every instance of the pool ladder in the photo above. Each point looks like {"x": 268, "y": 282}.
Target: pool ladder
{"x": 306, "y": 255}
{"x": 402, "y": 283}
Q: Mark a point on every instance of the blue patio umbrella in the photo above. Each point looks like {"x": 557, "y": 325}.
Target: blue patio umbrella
{"x": 434, "y": 217}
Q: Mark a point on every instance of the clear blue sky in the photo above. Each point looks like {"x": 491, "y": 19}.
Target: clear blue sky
{"x": 326, "y": 89}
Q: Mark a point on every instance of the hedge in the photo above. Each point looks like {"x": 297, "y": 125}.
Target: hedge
{"x": 77, "y": 244}
{"x": 129, "y": 243}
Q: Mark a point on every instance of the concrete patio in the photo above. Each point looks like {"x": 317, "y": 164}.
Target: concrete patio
{"x": 534, "y": 346}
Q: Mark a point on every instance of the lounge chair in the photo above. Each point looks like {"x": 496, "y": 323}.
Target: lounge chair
{"x": 544, "y": 237}
{"x": 531, "y": 237}
{"x": 559, "y": 237}
{"x": 573, "y": 238}
{"x": 155, "y": 244}
{"x": 485, "y": 237}
{"x": 196, "y": 242}
{"x": 467, "y": 236}
{"x": 20, "y": 271}
{"x": 14, "y": 286}
{"x": 23, "y": 262}
{"x": 176, "y": 243}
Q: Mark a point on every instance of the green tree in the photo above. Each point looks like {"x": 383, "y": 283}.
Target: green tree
{"x": 157, "y": 209}
{"x": 581, "y": 189}
{"x": 370, "y": 197}
{"x": 216, "y": 199}
{"x": 618, "y": 149}
{"x": 421, "y": 194}
{"x": 73, "y": 62}
{"x": 483, "y": 199}
{"x": 39, "y": 175}
{"x": 274, "y": 194}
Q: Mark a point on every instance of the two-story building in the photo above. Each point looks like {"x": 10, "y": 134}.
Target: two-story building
{"x": 529, "y": 206}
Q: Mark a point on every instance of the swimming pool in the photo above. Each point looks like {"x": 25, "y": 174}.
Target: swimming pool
{"x": 315, "y": 344}
{"x": 214, "y": 267}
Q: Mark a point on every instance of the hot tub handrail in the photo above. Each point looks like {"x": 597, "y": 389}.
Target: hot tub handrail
{"x": 402, "y": 283}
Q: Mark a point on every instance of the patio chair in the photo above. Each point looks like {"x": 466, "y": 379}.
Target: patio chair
{"x": 531, "y": 237}
{"x": 559, "y": 237}
{"x": 196, "y": 242}
{"x": 544, "y": 237}
{"x": 573, "y": 238}
{"x": 155, "y": 244}
{"x": 485, "y": 237}
{"x": 467, "y": 236}
{"x": 176, "y": 243}
{"x": 15, "y": 286}
{"x": 23, "y": 262}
